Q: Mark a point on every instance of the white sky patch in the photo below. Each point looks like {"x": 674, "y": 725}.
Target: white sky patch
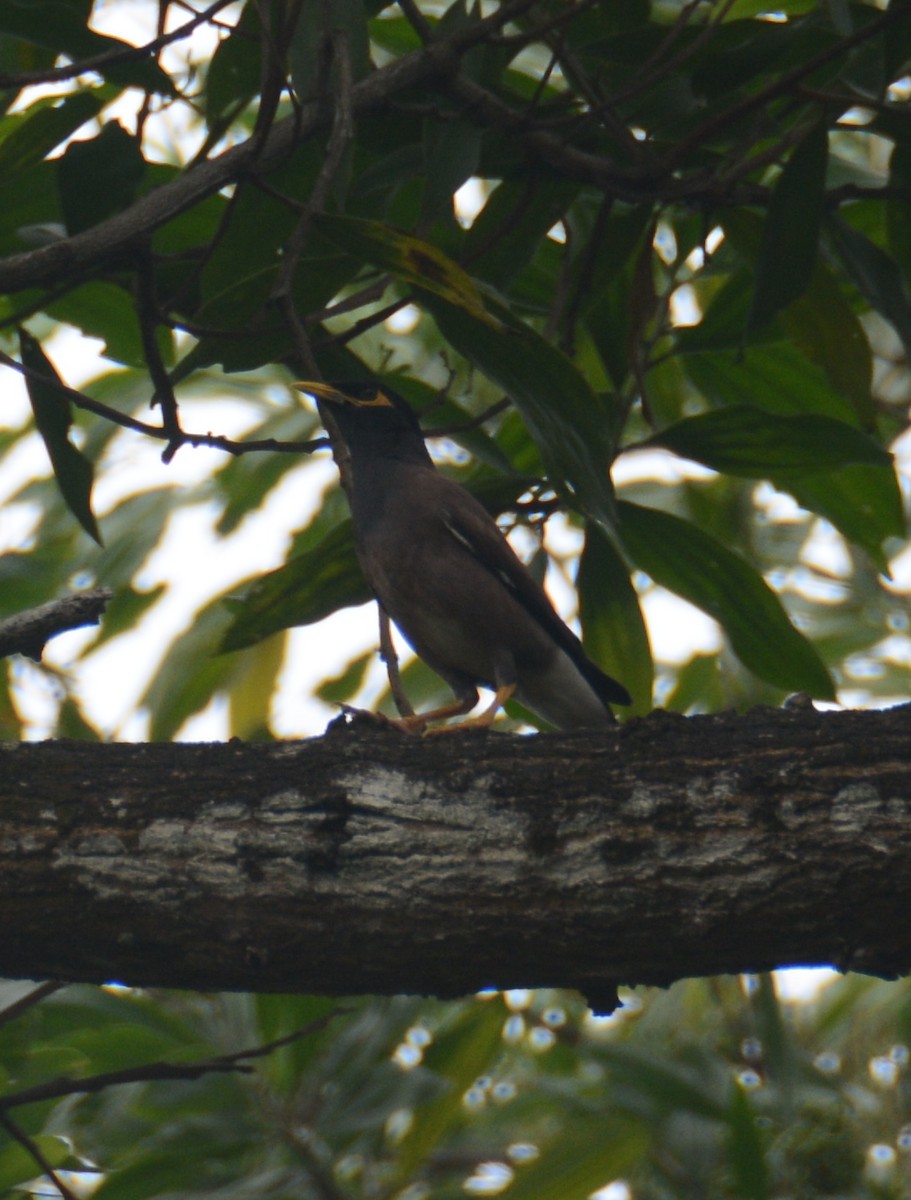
{"x": 469, "y": 200}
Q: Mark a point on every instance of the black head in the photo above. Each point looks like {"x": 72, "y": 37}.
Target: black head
{"x": 371, "y": 417}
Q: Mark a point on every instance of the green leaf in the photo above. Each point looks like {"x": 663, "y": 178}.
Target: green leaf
{"x": 614, "y": 631}
{"x": 451, "y": 153}
{"x": 460, "y": 1053}
{"x": 251, "y": 689}
{"x": 309, "y": 44}
{"x": 125, "y": 611}
{"x": 315, "y": 583}
{"x": 864, "y": 503}
{"x": 505, "y": 234}
{"x": 17, "y": 1166}
{"x": 668, "y": 1084}
{"x": 568, "y": 422}
{"x": 829, "y": 467}
{"x": 587, "y": 1157}
{"x": 154, "y": 1173}
{"x": 776, "y": 377}
{"x": 235, "y": 70}
{"x": 53, "y": 419}
{"x": 745, "y": 1149}
{"x": 104, "y": 310}
{"x": 744, "y": 440}
{"x": 876, "y": 275}
{"x": 687, "y": 561}
{"x": 37, "y": 133}
{"x": 412, "y": 260}
{"x": 62, "y": 26}
{"x": 192, "y": 672}
{"x": 99, "y": 177}
{"x": 790, "y": 236}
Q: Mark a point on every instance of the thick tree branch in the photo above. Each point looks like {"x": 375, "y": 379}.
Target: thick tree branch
{"x": 366, "y": 861}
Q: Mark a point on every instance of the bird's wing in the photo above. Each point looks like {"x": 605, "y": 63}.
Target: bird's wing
{"x": 470, "y": 524}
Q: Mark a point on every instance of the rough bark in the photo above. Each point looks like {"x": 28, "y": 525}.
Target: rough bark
{"x": 366, "y": 861}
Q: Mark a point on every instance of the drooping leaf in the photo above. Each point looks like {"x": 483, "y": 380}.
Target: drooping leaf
{"x": 875, "y": 274}
{"x": 746, "y": 1151}
{"x": 790, "y": 238}
{"x": 775, "y": 377}
{"x": 696, "y": 566}
{"x": 310, "y": 586}
{"x": 744, "y": 440}
{"x": 451, "y": 153}
{"x": 317, "y": 26}
{"x": 414, "y": 261}
{"x": 589, "y": 1154}
{"x": 613, "y": 628}
{"x": 568, "y": 422}
{"x": 863, "y": 502}
{"x": 829, "y": 467}
{"x": 53, "y": 419}
{"x": 37, "y": 133}
{"x": 99, "y": 177}
{"x": 460, "y": 1053}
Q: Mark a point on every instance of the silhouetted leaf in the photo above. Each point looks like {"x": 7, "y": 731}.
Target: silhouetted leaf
{"x": 791, "y": 232}
{"x": 73, "y": 471}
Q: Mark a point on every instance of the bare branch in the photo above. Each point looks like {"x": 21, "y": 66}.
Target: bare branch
{"x": 34, "y": 1150}
{"x": 86, "y": 251}
{"x": 64, "y": 1085}
{"x": 24, "y": 1003}
{"x": 28, "y": 632}
{"x": 211, "y": 440}
{"x": 112, "y": 57}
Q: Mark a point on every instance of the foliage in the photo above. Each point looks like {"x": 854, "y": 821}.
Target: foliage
{"x": 689, "y": 246}
{"x": 705, "y": 1090}
{"x": 691, "y": 239}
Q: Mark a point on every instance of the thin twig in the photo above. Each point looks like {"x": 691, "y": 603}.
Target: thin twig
{"x": 164, "y": 397}
{"x": 24, "y": 1003}
{"x": 34, "y": 1151}
{"x": 365, "y": 324}
{"x": 111, "y": 57}
{"x": 64, "y": 1085}
{"x": 211, "y": 440}
{"x": 416, "y": 19}
{"x": 782, "y": 85}
{"x": 492, "y": 410}
{"x": 584, "y": 274}
{"x": 340, "y": 136}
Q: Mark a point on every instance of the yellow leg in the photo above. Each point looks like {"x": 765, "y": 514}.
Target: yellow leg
{"x": 417, "y": 721}
{"x": 483, "y": 720}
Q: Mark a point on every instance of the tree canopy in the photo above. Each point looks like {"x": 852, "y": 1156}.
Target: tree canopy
{"x": 644, "y": 267}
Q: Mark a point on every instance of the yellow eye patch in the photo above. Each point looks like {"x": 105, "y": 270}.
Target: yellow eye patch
{"x": 379, "y": 399}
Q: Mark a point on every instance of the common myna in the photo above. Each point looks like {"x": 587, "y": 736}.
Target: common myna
{"x": 449, "y": 579}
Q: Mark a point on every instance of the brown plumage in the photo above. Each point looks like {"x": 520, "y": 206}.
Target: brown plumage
{"x": 449, "y": 579}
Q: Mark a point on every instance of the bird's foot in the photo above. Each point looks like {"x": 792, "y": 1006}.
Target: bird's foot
{"x": 484, "y": 719}
{"x": 413, "y": 724}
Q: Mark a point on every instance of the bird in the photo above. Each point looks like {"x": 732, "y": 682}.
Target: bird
{"x": 446, "y": 575}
